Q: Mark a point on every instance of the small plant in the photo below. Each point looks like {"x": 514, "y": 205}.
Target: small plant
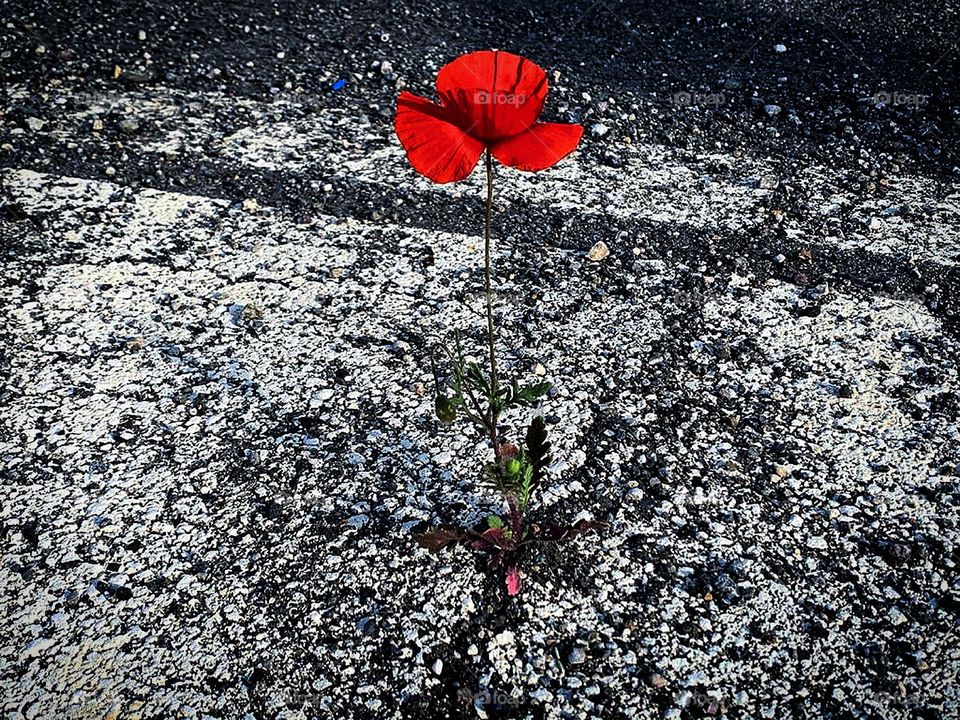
{"x": 490, "y": 102}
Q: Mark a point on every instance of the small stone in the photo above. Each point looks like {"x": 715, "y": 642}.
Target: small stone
{"x": 41, "y": 49}
{"x": 772, "y": 110}
{"x": 577, "y": 656}
{"x": 97, "y": 125}
{"x": 599, "y": 129}
{"x": 386, "y": 67}
{"x": 658, "y": 681}
{"x": 128, "y": 126}
{"x": 779, "y": 48}
{"x": 251, "y": 205}
{"x": 142, "y": 35}
{"x": 598, "y": 252}
{"x": 37, "y": 647}
{"x": 111, "y": 171}
{"x": 817, "y": 542}
{"x": 358, "y": 521}
{"x": 539, "y": 369}
{"x": 35, "y": 124}
{"x": 437, "y": 666}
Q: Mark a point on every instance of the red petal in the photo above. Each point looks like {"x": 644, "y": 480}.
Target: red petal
{"x": 539, "y": 147}
{"x": 495, "y": 94}
{"x": 513, "y": 580}
{"x": 435, "y": 146}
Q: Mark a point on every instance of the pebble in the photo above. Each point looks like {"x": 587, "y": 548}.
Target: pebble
{"x": 128, "y": 126}
{"x": 599, "y": 251}
{"x": 37, "y": 647}
{"x": 772, "y": 110}
{"x": 599, "y": 129}
{"x": 779, "y": 48}
{"x": 358, "y": 521}
{"x": 817, "y": 542}
{"x": 577, "y": 656}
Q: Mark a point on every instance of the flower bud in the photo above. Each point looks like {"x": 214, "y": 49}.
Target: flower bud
{"x": 445, "y": 409}
{"x": 512, "y": 466}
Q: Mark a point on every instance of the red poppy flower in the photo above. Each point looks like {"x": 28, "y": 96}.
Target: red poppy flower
{"x": 489, "y": 99}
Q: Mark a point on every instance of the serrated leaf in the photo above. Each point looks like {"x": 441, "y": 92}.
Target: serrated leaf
{"x": 562, "y": 533}
{"x": 538, "y": 451}
{"x": 530, "y": 393}
{"x": 437, "y": 540}
{"x": 491, "y": 539}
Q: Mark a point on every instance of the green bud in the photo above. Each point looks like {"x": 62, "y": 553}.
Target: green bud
{"x": 513, "y": 466}
{"x": 445, "y": 409}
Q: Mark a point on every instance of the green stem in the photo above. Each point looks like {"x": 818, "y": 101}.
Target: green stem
{"x": 491, "y": 339}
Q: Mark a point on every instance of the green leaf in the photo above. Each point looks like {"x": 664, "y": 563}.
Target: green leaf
{"x": 494, "y": 521}
{"x": 513, "y": 395}
{"x": 526, "y": 486}
{"x": 531, "y": 393}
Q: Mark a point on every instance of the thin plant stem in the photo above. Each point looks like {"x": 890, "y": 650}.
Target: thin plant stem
{"x": 491, "y": 338}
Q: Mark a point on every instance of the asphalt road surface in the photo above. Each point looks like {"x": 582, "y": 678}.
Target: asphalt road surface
{"x": 221, "y": 280}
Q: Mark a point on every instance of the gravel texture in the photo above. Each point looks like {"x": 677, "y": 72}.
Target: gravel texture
{"x": 222, "y": 280}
